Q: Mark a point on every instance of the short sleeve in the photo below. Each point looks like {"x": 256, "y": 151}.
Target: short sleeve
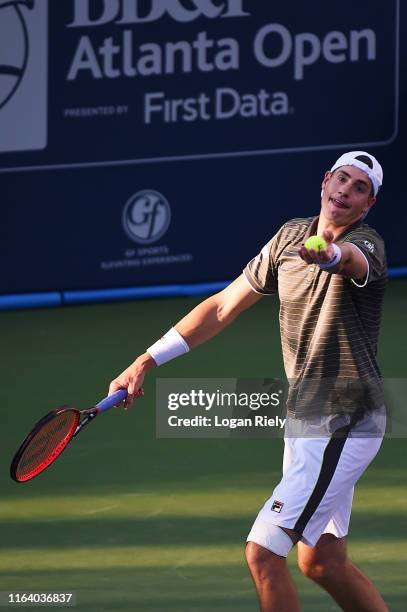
{"x": 261, "y": 271}
{"x": 371, "y": 245}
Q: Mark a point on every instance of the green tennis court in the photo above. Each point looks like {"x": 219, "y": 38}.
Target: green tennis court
{"x": 131, "y": 522}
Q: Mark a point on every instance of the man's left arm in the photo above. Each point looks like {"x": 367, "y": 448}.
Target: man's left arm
{"x": 352, "y": 263}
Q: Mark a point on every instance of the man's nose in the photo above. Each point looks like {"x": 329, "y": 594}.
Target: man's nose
{"x": 344, "y": 189}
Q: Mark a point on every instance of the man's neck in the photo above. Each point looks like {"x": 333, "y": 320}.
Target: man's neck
{"x": 327, "y": 224}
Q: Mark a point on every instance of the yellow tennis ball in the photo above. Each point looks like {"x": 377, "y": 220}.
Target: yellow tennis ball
{"x": 316, "y": 243}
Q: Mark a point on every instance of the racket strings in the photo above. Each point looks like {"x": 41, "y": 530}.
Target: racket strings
{"x": 47, "y": 444}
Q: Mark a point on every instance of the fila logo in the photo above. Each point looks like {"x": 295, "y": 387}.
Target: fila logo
{"x": 277, "y": 506}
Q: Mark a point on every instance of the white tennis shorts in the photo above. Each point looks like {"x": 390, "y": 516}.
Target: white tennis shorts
{"x": 315, "y": 493}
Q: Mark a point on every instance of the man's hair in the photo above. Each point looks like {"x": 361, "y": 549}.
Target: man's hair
{"x": 366, "y": 160}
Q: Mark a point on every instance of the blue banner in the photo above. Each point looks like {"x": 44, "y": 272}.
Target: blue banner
{"x": 147, "y": 142}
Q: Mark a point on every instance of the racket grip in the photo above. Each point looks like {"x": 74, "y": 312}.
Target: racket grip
{"x": 111, "y": 400}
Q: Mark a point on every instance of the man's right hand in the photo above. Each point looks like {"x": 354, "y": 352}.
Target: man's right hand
{"x": 132, "y": 379}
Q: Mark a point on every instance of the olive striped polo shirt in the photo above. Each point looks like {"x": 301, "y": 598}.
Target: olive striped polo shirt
{"x": 329, "y": 324}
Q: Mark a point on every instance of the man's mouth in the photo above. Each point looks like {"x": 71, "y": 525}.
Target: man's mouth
{"x": 338, "y": 203}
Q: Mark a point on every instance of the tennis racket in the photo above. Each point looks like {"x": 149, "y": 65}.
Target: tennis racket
{"x": 52, "y": 434}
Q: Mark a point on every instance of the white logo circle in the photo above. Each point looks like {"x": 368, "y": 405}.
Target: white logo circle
{"x": 146, "y": 216}
{"x": 13, "y": 50}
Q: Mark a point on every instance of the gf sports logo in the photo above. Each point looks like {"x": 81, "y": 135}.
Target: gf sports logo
{"x": 146, "y": 216}
{"x": 23, "y": 75}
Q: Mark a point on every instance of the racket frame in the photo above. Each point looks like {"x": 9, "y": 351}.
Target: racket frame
{"x": 83, "y": 417}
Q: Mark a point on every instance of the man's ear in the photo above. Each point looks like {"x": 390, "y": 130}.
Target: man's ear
{"x": 370, "y": 203}
{"x": 326, "y": 178}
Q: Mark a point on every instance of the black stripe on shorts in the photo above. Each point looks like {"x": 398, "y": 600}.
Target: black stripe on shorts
{"x": 330, "y": 460}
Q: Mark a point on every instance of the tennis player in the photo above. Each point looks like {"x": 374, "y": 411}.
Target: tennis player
{"x": 330, "y": 310}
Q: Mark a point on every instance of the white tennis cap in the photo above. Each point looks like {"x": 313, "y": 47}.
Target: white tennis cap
{"x": 373, "y": 170}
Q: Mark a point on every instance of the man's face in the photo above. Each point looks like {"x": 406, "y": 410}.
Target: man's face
{"x": 347, "y": 195}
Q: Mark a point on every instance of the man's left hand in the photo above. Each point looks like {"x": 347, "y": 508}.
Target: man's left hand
{"x": 322, "y": 256}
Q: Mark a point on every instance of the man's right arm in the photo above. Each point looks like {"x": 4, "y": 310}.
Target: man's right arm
{"x": 213, "y": 314}
{"x": 204, "y": 322}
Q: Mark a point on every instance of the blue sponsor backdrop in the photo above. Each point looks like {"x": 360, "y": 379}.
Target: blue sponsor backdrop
{"x": 157, "y": 142}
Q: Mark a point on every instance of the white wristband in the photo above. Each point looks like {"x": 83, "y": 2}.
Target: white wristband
{"x": 171, "y": 345}
{"x": 335, "y": 259}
